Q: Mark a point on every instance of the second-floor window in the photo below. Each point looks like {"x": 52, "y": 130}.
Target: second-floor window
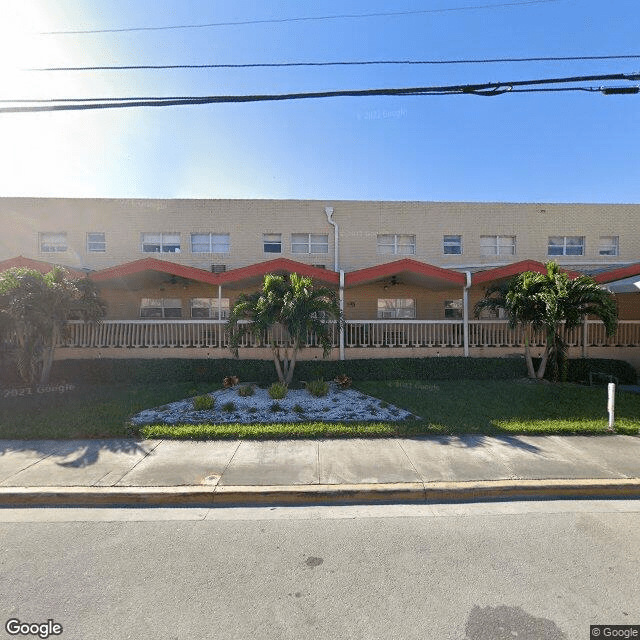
{"x": 96, "y": 242}
{"x": 53, "y": 242}
{"x": 161, "y": 242}
{"x": 309, "y": 243}
{"x": 452, "y": 245}
{"x": 566, "y": 246}
{"x": 397, "y": 244}
{"x": 497, "y": 245}
{"x": 609, "y": 246}
{"x": 210, "y": 243}
{"x": 272, "y": 242}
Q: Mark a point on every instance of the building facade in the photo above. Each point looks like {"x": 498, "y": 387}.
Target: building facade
{"x": 408, "y": 273}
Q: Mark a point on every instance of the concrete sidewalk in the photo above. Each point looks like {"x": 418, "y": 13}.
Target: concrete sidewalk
{"x": 443, "y": 468}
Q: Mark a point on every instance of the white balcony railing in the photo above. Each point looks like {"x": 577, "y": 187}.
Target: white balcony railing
{"x": 357, "y": 333}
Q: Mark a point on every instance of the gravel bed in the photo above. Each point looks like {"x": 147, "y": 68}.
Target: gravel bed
{"x": 339, "y": 405}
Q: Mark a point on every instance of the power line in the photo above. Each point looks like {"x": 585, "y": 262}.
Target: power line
{"x": 487, "y": 89}
{"x": 301, "y": 19}
{"x": 339, "y": 63}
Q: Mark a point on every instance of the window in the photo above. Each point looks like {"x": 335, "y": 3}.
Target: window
{"x": 208, "y": 308}
{"x": 161, "y": 242}
{"x": 566, "y": 246}
{"x": 161, "y": 308}
{"x": 209, "y": 243}
{"x": 53, "y": 242}
{"x": 309, "y": 243}
{"x": 453, "y": 309}
{"x": 609, "y": 246}
{"x": 272, "y": 242}
{"x": 452, "y": 245}
{"x": 497, "y": 245}
{"x": 396, "y": 244}
{"x": 396, "y": 308}
{"x": 96, "y": 242}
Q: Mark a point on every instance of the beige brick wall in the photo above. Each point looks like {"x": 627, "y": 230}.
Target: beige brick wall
{"x": 123, "y": 221}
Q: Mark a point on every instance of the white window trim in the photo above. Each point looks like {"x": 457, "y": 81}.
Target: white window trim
{"x": 565, "y": 245}
{"x": 451, "y": 244}
{"x": 212, "y": 244}
{"x": 271, "y": 242}
{"x": 395, "y": 245}
{"x": 213, "y": 308}
{"x": 310, "y": 243}
{"x": 605, "y": 247}
{"x": 102, "y": 242}
{"x": 162, "y": 306}
{"x": 395, "y": 311}
{"x": 162, "y": 243}
{"x": 50, "y": 244}
{"x": 498, "y": 249}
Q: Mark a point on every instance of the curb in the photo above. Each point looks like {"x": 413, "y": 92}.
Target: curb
{"x": 229, "y": 496}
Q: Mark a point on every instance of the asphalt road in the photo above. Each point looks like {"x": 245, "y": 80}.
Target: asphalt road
{"x": 532, "y": 571}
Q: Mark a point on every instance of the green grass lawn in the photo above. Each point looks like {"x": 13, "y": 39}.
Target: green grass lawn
{"x": 445, "y": 407}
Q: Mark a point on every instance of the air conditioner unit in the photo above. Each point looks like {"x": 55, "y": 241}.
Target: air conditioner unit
{"x": 218, "y": 268}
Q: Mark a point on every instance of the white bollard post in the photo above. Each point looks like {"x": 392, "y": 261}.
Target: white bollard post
{"x": 611, "y": 401}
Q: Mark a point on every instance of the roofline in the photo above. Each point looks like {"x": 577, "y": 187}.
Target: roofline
{"x": 405, "y": 264}
{"x": 514, "y": 269}
{"x": 38, "y": 265}
{"x": 618, "y": 274}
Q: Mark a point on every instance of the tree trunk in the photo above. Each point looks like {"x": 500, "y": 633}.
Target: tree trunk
{"x": 527, "y": 353}
{"x": 292, "y": 366}
{"x": 47, "y": 363}
{"x": 276, "y": 360}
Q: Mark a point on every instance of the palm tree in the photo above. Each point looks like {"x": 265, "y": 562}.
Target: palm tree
{"x": 34, "y": 311}
{"x": 554, "y": 303}
{"x": 296, "y": 305}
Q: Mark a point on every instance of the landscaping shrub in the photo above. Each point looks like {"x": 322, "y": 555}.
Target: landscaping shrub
{"x": 246, "y": 391}
{"x": 203, "y": 403}
{"x": 138, "y": 371}
{"x": 277, "y": 390}
{"x": 317, "y": 388}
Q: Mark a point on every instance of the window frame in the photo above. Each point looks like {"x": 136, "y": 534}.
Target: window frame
{"x": 212, "y": 308}
{"x": 163, "y": 307}
{"x": 212, "y": 245}
{"x": 164, "y": 246}
{"x": 94, "y": 242}
{"x": 271, "y": 242}
{"x": 565, "y": 245}
{"x": 454, "y": 309}
{"x": 395, "y": 311}
{"x": 605, "y": 249}
{"x": 47, "y": 242}
{"x": 395, "y": 245}
{"x": 497, "y": 246}
{"x": 310, "y": 243}
{"x": 448, "y": 243}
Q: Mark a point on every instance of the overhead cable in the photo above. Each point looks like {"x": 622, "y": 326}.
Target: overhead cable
{"x": 487, "y": 89}
{"x": 301, "y": 19}
{"x": 339, "y": 63}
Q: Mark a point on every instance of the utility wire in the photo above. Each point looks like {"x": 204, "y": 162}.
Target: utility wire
{"x": 338, "y": 63}
{"x": 301, "y": 19}
{"x": 487, "y": 89}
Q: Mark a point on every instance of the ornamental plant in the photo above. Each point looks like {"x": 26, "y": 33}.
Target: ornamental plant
{"x": 278, "y": 390}
{"x": 317, "y": 388}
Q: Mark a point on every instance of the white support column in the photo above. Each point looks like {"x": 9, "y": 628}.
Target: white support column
{"x": 219, "y": 302}
{"x": 465, "y": 313}
{"x": 341, "y": 298}
{"x": 585, "y": 336}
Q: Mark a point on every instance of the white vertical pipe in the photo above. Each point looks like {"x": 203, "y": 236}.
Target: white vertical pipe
{"x": 341, "y": 298}
{"x": 465, "y": 312}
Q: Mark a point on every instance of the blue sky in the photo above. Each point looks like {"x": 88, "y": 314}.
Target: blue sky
{"x": 555, "y": 147}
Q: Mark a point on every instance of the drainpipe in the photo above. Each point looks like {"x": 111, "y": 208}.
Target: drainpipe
{"x": 219, "y": 302}
{"x": 465, "y": 313}
{"x": 329, "y": 213}
{"x": 341, "y": 314}
{"x": 336, "y": 267}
